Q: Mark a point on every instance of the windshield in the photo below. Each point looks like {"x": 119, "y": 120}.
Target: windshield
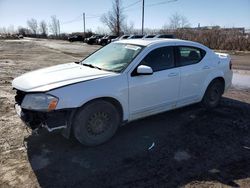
{"x": 114, "y": 57}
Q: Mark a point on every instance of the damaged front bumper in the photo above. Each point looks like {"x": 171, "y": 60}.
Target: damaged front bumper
{"x": 53, "y": 120}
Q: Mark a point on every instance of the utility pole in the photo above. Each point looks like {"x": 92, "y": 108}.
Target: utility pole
{"x": 83, "y": 17}
{"x": 58, "y": 27}
{"x": 142, "y": 27}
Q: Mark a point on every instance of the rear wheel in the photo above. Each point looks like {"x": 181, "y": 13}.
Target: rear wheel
{"x": 213, "y": 94}
{"x": 96, "y": 123}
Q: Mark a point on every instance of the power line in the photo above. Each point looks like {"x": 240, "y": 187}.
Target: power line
{"x": 78, "y": 18}
{"x": 160, "y": 3}
{"x": 125, "y": 9}
{"x": 150, "y": 5}
{"x": 132, "y": 4}
{"x": 94, "y": 16}
{"x": 91, "y": 17}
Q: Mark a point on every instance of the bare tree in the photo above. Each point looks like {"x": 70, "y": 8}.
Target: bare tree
{"x": 128, "y": 28}
{"x": 55, "y": 25}
{"x": 43, "y": 28}
{"x": 3, "y": 30}
{"x": 115, "y": 18}
{"x": 7, "y": 30}
{"x": 101, "y": 30}
{"x": 178, "y": 21}
{"x": 32, "y": 25}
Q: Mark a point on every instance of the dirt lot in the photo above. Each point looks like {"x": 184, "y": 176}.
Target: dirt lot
{"x": 189, "y": 147}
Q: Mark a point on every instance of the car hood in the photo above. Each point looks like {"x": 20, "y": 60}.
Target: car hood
{"x": 57, "y": 76}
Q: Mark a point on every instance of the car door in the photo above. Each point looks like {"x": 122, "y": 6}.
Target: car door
{"x": 193, "y": 71}
{"x": 151, "y": 94}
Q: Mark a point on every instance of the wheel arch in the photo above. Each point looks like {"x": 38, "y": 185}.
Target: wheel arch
{"x": 111, "y": 100}
{"x": 68, "y": 131}
{"x": 222, "y": 80}
{"x": 209, "y": 80}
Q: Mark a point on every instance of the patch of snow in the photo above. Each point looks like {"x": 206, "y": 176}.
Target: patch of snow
{"x": 241, "y": 80}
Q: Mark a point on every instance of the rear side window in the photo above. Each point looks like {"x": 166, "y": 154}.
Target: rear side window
{"x": 160, "y": 59}
{"x": 189, "y": 55}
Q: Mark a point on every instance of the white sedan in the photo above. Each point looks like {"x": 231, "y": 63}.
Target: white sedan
{"x": 123, "y": 81}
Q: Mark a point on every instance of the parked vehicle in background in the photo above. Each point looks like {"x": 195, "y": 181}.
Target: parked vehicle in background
{"x": 135, "y": 37}
{"x": 75, "y": 38}
{"x": 20, "y": 36}
{"x": 93, "y": 39}
{"x": 167, "y": 36}
{"x": 106, "y": 39}
{"x": 120, "y": 38}
{"x": 121, "y": 82}
{"x": 149, "y": 36}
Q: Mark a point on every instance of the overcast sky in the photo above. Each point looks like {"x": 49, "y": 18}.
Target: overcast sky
{"x": 225, "y": 13}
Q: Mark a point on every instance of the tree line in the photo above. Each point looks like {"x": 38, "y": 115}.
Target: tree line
{"x": 41, "y": 29}
{"x": 215, "y": 38}
{"x": 115, "y": 20}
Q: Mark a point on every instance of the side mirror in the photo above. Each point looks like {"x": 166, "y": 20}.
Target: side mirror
{"x": 144, "y": 70}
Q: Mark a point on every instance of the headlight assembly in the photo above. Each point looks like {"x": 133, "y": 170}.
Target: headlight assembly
{"x": 39, "y": 102}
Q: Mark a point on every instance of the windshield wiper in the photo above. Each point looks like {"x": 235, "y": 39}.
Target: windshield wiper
{"x": 92, "y": 66}
{"x": 96, "y": 67}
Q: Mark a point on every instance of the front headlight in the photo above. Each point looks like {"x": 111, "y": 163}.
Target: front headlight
{"x": 39, "y": 102}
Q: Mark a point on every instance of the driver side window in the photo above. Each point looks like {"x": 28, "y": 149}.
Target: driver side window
{"x": 160, "y": 59}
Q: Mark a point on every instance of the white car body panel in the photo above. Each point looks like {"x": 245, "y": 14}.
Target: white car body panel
{"x": 139, "y": 96}
{"x": 76, "y": 95}
{"x": 220, "y": 69}
{"x": 56, "y": 76}
{"x": 192, "y": 80}
{"x": 153, "y": 94}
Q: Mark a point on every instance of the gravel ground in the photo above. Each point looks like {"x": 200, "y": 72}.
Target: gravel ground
{"x": 188, "y": 147}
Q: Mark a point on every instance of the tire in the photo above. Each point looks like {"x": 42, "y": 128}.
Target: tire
{"x": 213, "y": 94}
{"x": 96, "y": 123}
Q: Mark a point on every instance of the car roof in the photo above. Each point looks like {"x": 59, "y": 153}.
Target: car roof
{"x": 148, "y": 41}
{"x": 155, "y": 41}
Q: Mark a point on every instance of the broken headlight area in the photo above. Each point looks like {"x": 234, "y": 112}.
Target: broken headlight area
{"x": 38, "y": 110}
{"x": 39, "y": 102}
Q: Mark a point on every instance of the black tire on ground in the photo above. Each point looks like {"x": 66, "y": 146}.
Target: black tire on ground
{"x": 96, "y": 123}
{"x": 213, "y": 94}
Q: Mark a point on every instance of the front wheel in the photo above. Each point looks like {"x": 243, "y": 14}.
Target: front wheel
{"x": 213, "y": 94}
{"x": 96, "y": 123}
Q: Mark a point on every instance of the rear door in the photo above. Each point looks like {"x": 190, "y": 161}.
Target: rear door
{"x": 193, "y": 71}
{"x": 151, "y": 94}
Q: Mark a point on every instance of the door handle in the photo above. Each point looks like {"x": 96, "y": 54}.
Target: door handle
{"x": 172, "y": 74}
{"x": 206, "y": 67}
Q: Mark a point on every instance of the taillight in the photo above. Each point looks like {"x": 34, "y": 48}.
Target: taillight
{"x": 230, "y": 65}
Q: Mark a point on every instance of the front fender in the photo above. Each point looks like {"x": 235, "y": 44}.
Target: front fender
{"x": 76, "y": 95}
